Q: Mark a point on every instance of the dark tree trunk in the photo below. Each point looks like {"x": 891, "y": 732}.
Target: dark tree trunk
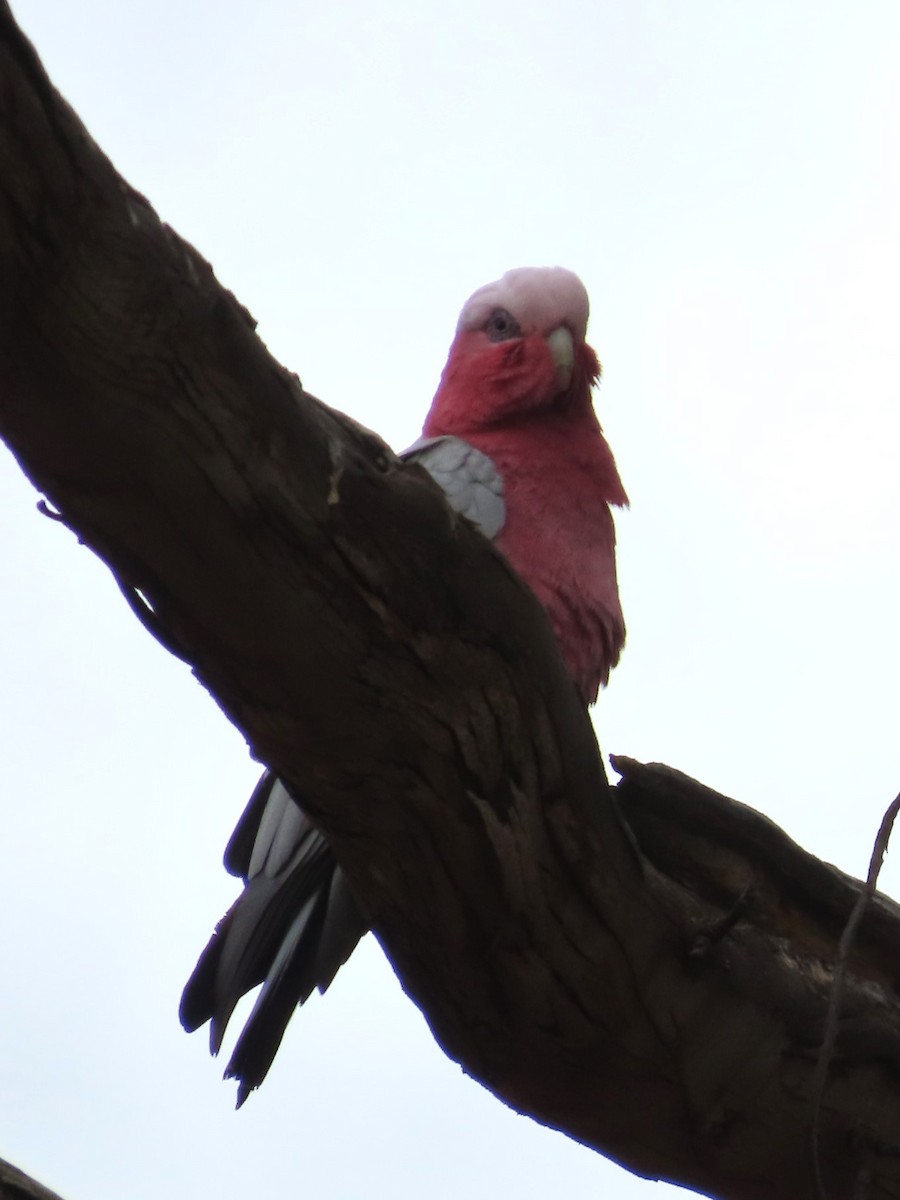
{"x": 647, "y": 967}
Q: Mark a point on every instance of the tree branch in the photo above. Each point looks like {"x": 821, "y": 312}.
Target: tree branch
{"x": 645, "y": 968}
{"x": 16, "y": 1185}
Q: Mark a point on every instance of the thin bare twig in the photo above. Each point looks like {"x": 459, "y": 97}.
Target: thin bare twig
{"x": 845, "y": 945}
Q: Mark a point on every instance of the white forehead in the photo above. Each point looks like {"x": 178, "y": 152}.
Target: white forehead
{"x": 540, "y": 298}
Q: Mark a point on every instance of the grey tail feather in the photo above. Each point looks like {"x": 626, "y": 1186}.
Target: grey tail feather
{"x": 320, "y": 940}
{"x": 292, "y": 927}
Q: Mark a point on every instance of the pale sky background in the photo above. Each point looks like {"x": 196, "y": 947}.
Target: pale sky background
{"x": 726, "y": 179}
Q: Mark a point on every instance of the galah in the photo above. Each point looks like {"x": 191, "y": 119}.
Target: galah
{"x": 513, "y": 440}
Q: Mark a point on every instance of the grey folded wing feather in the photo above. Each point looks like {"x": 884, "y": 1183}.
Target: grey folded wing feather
{"x": 296, "y": 922}
{"x": 469, "y": 479}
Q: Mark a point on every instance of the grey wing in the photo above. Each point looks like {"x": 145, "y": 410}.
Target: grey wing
{"x": 468, "y": 478}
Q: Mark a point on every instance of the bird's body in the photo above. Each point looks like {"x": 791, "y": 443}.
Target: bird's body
{"x": 513, "y": 440}
{"x": 501, "y": 392}
{"x": 576, "y": 584}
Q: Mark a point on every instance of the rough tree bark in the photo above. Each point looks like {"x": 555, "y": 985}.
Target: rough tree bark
{"x": 647, "y": 967}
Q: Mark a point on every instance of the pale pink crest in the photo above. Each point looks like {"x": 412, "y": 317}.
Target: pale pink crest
{"x": 540, "y": 298}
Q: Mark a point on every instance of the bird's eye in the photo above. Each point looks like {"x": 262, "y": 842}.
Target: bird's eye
{"x": 501, "y": 326}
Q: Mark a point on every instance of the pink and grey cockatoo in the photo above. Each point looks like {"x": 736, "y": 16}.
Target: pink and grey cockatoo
{"x": 513, "y": 440}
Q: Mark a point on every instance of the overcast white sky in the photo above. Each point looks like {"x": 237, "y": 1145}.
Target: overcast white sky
{"x": 725, "y": 177}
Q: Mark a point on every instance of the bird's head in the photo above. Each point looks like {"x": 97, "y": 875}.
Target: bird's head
{"x": 519, "y": 349}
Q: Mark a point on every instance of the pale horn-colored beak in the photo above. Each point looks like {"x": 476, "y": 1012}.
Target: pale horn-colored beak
{"x": 563, "y": 350}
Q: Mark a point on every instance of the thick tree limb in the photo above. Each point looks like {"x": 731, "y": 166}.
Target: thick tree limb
{"x": 655, "y": 988}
